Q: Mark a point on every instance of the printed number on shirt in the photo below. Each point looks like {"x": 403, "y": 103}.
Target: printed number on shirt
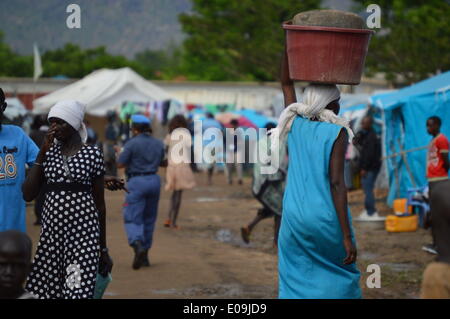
{"x": 8, "y": 167}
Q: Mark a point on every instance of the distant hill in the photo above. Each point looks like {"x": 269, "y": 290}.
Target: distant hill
{"x": 125, "y": 27}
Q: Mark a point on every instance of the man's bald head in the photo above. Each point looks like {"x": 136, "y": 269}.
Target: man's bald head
{"x": 15, "y": 262}
{"x": 15, "y": 242}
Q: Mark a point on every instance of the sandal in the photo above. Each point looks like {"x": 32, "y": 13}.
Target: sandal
{"x": 167, "y": 223}
{"x": 245, "y": 233}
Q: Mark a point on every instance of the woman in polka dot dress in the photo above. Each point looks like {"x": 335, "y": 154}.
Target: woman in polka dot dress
{"x": 72, "y": 245}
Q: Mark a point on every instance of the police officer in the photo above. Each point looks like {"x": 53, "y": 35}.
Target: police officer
{"x": 141, "y": 157}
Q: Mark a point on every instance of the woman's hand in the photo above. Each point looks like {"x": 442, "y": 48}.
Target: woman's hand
{"x": 351, "y": 251}
{"x": 114, "y": 184}
{"x": 105, "y": 264}
{"x": 48, "y": 141}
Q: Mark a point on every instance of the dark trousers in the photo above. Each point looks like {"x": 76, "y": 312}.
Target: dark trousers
{"x": 368, "y": 184}
{"x": 141, "y": 209}
{"x": 440, "y": 218}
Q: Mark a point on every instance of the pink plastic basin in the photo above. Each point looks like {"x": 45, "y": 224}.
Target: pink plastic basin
{"x": 325, "y": 54}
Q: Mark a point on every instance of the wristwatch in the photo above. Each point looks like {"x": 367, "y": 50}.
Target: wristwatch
{"x": 104, "y": 250}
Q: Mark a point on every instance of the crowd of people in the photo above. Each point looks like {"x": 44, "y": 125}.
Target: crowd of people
{"x": 68, "y": 173}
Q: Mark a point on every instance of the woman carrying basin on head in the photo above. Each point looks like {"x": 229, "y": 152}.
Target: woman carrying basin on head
{"x": 316, "y": 244}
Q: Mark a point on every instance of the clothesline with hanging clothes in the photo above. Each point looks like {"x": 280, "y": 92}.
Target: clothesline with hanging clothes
{"x": 164, "y": 111}
{"x": 243, "y": 96}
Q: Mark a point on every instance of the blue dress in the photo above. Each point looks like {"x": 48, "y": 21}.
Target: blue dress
{"x": 311, "y": 250}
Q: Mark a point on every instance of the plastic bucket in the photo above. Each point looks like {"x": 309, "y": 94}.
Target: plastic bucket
{"x": 325, "y": 54}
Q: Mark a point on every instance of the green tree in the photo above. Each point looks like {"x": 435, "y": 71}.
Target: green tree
{"x": 13, "y": 64}
{"x": 153, "y": 61}
{"x": 75, "y": 62}
{"x": 159, "y": 64}
{"x": 413, "y": 41}
{"x": 236, "y": 39}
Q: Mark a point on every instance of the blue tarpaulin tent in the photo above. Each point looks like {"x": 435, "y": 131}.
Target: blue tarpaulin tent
{"x": 404, "y": 114}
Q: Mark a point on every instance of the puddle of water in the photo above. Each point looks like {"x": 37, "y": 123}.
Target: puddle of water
{"x": 368, "y": 256}
{"x": 111, "y": 293}
{"x": 399, "y": 267}
{"x": 207, "y": 199}
{"x": 206, "y": 189}
{"x": 227, "y": 236}
{"x": 232, "y": 290}
{"x": 221, "y": 290}
{"x": 217, "y": 199}
{"x": 171, "y": 291}
{"x": 224, "y": 235}
{"x": 241, "y": 195}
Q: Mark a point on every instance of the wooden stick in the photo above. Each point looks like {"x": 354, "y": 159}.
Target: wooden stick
{"x": 397, "y": 182}
{"x": 404, "y": 152}
{"x": 405, "y": 160}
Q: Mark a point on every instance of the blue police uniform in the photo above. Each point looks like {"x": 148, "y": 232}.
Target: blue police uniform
{"x": 142, "y": 156}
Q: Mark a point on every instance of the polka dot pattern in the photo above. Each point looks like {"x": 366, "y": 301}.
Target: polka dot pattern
{"x": 70, "y": 230}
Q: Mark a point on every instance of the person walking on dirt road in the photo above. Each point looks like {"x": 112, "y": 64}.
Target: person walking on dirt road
{"x": 316, "y": 245}
{"x": 141, "y": 157}
{"x": 179, "y": 175}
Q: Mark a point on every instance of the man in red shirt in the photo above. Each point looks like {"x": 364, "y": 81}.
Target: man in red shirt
{"x": 437, "y": 157}
{"x": 437, "y": 162}
{"x": 436, "y": 278}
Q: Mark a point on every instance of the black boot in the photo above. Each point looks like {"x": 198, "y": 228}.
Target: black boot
{"x": 139, "y": 254}
{"x": 146, "y": 261}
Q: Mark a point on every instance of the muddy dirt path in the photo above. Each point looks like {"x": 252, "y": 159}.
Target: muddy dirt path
{"x": 206, "y": 258}
{"x": 193, "y": 262}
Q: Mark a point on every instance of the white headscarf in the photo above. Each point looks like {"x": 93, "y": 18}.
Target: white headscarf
{"x": 73, "y": 113}
{"x": 315, "y": 100}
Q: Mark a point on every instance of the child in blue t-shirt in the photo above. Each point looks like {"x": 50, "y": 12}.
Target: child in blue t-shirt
{"x": 16, "y": 150}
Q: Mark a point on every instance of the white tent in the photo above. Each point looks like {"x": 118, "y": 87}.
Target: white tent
{"x": 104, "y": 90}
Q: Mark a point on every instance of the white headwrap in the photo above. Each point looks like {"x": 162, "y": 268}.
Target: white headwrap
{"x": 73, "y": 113}
{"x": 315, "y": 100}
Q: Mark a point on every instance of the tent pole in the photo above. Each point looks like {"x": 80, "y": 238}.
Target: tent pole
{"x": 383, "y": 137}
{"x": 405, "y": 160}
{"x": 405, "y": 152}
{"x": 34, "y": 94}
{"x": 397, "y": 182}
